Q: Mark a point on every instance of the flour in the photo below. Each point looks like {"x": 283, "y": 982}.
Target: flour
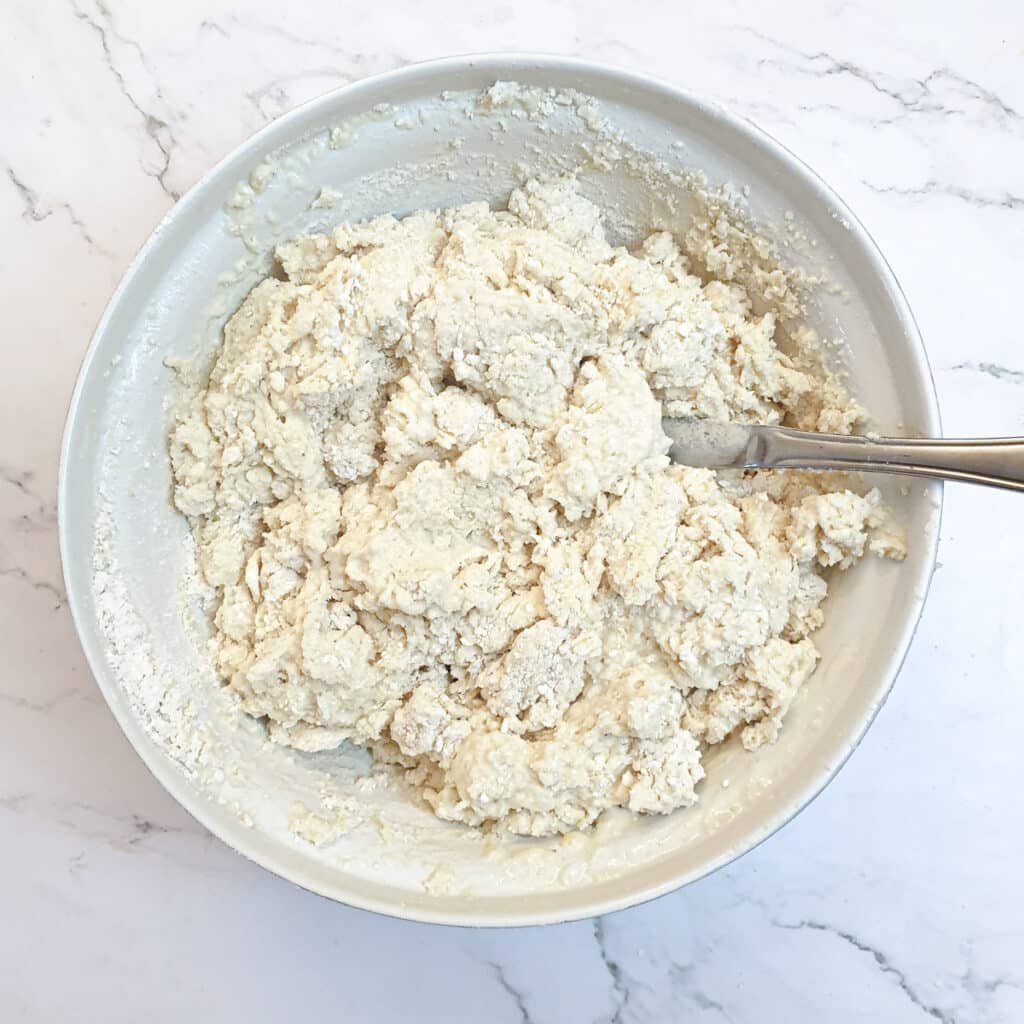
{"x": 428, "y": 482}
{"x": 163, "y": 700}
{"x": 159, "y": 703}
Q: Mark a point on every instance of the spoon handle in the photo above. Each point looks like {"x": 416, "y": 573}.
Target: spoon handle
{"x": 997, "y": 461}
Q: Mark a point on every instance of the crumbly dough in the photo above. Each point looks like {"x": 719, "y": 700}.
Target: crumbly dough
{"x": 428, "y": 480}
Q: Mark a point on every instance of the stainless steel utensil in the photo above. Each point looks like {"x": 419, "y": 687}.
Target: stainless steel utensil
{"x": 996, "y": 461}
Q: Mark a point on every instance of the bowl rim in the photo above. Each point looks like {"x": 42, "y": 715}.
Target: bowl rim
{"x": 505, "y": 65}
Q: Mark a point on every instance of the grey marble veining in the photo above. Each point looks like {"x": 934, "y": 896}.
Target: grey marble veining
{"x": 897, "y": 896}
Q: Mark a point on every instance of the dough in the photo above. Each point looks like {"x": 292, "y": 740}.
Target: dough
{"x": 428, "y": 480}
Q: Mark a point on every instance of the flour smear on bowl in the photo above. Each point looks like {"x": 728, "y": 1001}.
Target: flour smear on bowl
{"x": 429, "y": 489}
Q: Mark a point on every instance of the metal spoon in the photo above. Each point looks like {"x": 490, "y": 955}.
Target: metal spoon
{"x": 996, "y": 461}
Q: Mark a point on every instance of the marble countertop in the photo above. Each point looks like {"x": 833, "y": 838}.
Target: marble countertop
{"x": 897, "y": 896}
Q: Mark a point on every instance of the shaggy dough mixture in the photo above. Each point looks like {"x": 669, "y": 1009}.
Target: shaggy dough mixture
{"x": 428, "y": 481}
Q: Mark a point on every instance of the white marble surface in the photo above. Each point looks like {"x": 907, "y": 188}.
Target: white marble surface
{"x": 897, "y": 896}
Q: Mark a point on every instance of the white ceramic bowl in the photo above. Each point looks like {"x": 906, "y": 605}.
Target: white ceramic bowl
{"x": 172, "y": 302}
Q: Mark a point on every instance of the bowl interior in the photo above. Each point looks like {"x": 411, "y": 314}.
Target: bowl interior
{"x": 392, "y": 144}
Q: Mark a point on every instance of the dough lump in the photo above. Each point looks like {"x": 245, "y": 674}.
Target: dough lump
{"x": 428, "y": 480}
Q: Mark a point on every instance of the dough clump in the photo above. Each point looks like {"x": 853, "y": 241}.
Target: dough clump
{"x": 428, "y": 480}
